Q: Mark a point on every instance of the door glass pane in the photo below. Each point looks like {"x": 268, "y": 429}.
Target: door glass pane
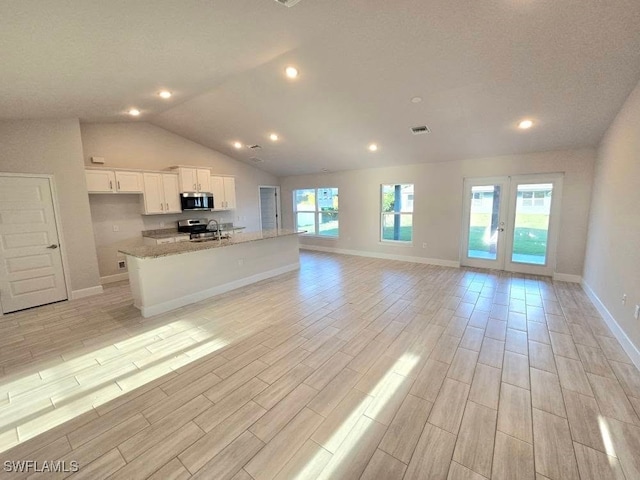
{"x": 533, "y": 208}
{"x": 483, "y": 222}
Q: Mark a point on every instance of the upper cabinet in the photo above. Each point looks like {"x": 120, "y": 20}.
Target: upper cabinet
{"x": 129, "y": 182}
{"x": 194, "y": 179}
{"x": 224, "y": 192}
{"x": 109, "y": 181}
{"x": 100, "y": 181}
{"x": 161, "y": 193}
{"x": 229, "y": 193}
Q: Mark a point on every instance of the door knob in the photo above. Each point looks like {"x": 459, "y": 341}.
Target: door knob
{"x": 501, "y": 229}
{"x": 53, "y": 246}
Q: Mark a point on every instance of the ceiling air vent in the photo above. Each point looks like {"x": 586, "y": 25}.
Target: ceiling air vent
{"x": 254, "y": 147}
{"x": 287, "y": 3}
{"x": 256, "y": 160}
{"x": 420, "y": 130}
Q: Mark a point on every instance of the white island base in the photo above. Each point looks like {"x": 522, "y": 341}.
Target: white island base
{"x": 162, "y": 281}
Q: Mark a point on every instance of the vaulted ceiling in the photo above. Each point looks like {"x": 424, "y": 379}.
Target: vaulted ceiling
{"x": 479, "y": 67}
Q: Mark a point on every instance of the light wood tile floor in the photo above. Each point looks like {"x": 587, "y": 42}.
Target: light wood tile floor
{"x": 350, "y": 368}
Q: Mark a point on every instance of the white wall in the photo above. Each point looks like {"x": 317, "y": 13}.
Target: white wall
{"x": 438, "y": 203}
{"x": 612, "y": 265}
{"x": 54, "y": 147}
{"x": 141, "y": 145}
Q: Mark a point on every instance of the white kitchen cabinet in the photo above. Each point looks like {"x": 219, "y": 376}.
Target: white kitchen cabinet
{"x": 224, "y": 192}
{"x": 194, "y": 179}
{"x": 171, "y": 193}
{"x": 100, "y": 181}
{"x": 204, "y": 180}
{"x": 230, "y": 193}
{"x": 128, "y": 182}
{"x": 217, "y": 188}
{"x": 161, "y": 193}
{"x": 110, "y": 181}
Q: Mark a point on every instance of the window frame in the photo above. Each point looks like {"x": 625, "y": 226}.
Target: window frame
{"x": 316, "y": 213}
{"x": 381, "y": 238}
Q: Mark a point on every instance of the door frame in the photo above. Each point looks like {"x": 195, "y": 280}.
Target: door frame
{"x": 508, "y": 207}
{"x": 554, "y": 224}
{"x": 278, "y": 205}
{"x": 56, "y": 214}
{"x": 498, "y": 263}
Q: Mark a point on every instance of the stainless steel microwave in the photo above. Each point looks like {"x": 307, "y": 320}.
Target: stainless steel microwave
{"x": 196, "y": 201}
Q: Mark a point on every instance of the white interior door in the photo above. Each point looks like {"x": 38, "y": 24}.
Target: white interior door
{"x": 269, "y": 208}
{"x": 31, "y": 272}
{"x": 511, "y": 223}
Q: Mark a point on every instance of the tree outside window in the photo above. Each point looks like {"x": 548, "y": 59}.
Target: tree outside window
{"x": 396, "y": 210}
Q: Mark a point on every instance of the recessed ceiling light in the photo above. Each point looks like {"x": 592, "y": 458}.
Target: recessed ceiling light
{"x": 416, "y": 99}
{"x": 291, "y": 72}
{"x": 373, "y": 147}
{"x": 237, "y": 145}
{"x": 165, "y": 94}
{"x": 274, "y": 137}
{"x": 525, "y": 124}
{"x": 325, "y": 169}
{"x": 134, "y": 112}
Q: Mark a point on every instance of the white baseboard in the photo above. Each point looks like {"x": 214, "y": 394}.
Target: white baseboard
{"x": 86, "y": 292}
{"x": 619, "y": 333}
{"x": 384, "y": 256}
{"x": 212, "y": 292}
{"x": 565, "y": 277}
{"x": 118, "y": 277}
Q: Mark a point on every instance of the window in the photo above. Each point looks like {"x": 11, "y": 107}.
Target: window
{"x": 316, "y": 211}
{"x": 477, "y": 199}
{"x": 396, "y": 209}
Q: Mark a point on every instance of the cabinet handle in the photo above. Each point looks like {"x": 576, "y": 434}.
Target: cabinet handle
{"x": 199, "y": 187}
{"x": 162, "y": 207}
{"x": 110, "y": 185}
{"x": 118, "y": 184}
{"x": 194, "y": 186}
{"x": 167, "y": 207}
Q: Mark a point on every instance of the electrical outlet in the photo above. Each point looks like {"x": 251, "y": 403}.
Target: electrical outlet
{"x": 161, "y": 224}
{"x": 116, "y": 228}
{"x": 624, "y": 298}
{"x": 424, "y": 245}
{"x": 636, "y": 314}
{"x": 240, "y": 262}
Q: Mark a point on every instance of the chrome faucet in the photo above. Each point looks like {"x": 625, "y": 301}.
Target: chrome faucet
{"x": 213, "y": 220}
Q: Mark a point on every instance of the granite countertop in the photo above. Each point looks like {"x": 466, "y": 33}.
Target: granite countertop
{"x": 155, "y": 251}
{"x": 173, "y": 232}
{"x": 164, "y": 233}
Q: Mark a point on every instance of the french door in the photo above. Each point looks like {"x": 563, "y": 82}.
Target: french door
{"x": 511, "y": 223}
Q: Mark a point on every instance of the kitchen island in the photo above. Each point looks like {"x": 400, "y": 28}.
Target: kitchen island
{"x": 169, "y": 276}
